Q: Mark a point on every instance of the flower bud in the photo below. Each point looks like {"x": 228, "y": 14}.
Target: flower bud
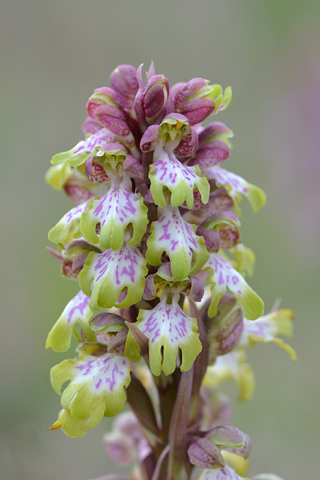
{"x": 205, "y": 454}
{"x": 231, "y": 439}
{"x": 214, "y": 131}
{"x": 211, "y": 154}
{"x": 194, "y": 100}
{"x": 154, "y": 98}
{"x": 101, "y": 96}
{"x": 124, "y": 82}
{"x": 224, "y": 330}
{"x": 90, "y": 126}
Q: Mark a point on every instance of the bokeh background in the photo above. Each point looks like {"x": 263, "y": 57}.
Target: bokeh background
{"x": 53, "y": 55}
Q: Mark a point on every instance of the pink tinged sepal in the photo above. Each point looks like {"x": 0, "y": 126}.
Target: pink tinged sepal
{"x": 213, "y": 132}
{"x": 194, "y": 100}
{"x": 95, "y": 172}
{"x": 230, "y": 438}
{"x": 180, "y": 181}
{"x": 225, "y": 473}
{"x": 236, "y": 186}
{"x": 154, "y": 98}
{"x": 90, "y": 126}
{"x": 124, "y": 82}
{"x": 267, "y": 328}
{"x": 226, "y": 225}
{"x": 102, "y": 96}
{"x": 68, "y": 228}
{"x": 119, "y": 213}
{"x": 211, "y": 154}
{"x": 114, "y": 278}
{"x": 96, "y": 389}
{"x": 84, "y": 149}
{"x": 133, "y": 167}
{"x": 188, "y": 144}
{"x": 205, "y": 454}
{"x": 79, "y": 311}
{"x": 173, "y": 235}
{"x": 222, "y": 277}
{"x": 168, "y": 328}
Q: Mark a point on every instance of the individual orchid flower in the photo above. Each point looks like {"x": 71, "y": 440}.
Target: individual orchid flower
{"x": 96, "y": 389}
{"x": 114, "y": 277}
{"x": 173, "y": 235}
{"x": 115, "y": 212}
{"x": 266, "y": 328}
{"x": 236, "y": 187}
{"x": 168, "y": 329}
{"x": 224, "y": 276}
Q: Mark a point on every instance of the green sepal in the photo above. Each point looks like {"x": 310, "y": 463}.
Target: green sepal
{"x": 224, "y": 276}
{"x": 68, "y": 228}
{"x": 57, "y": 175}
{"x": 79, "y": 311}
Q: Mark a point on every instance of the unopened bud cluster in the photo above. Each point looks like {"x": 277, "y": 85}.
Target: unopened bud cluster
{"x": 154, "y": 243}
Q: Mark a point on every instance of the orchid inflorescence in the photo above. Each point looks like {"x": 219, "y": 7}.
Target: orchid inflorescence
{"x": 155, "y": 244}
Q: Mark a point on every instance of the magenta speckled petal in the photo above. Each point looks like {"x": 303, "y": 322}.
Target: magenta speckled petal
{"x": 107, "y": 275}
{"x": 116, "y": 211}
{"x": 168, "y": 328}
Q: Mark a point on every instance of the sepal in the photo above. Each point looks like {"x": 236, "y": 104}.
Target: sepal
{"x": 124, "y": 81}
{"x": 236, "y": 186}
{"x": 224, "y": 276}
{"x": 79, "y": 311}
{"x": 181, "y": 181}
{"x": 84, "y": 149}
{"x": 68, "y": 228}
{"x": 265, "y": 329}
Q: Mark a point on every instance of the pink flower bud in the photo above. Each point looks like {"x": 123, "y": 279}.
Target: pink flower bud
{"x": 205, "y": 454}
{"x": 154, "y": 98}
{"x": 124, "y": 82}
{"x": 211, "y": 154}
{"x": 191, "y": 101}
{"x": 102, "y": 96}
{"x": 113, "y": 119}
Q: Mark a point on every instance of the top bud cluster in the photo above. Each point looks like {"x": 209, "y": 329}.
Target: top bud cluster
{"x": 155, "y": 231}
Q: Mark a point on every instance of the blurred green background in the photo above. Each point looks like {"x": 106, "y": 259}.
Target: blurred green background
{"x": 53, "y": 55}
